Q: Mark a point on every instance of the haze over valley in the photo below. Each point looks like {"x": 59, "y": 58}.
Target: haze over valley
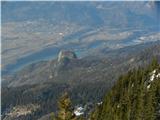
{"x": 29, "y": 35}
{"x": 80, "y": 60}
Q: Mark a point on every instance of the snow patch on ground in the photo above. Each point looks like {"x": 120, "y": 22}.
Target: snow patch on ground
{"x": 153, "y": 76}
{"x": 100, "y": 103}
{"x": 148, "y": 86}
{"x": 118, "y": 106}
{"x": 79, "y": 111}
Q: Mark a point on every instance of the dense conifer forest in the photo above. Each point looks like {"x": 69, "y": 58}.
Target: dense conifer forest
{"x": 135, "y": 96}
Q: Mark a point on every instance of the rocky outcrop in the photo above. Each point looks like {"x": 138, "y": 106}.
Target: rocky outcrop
{"x": 66, "y": 55}
{"x": 65, "y": 60}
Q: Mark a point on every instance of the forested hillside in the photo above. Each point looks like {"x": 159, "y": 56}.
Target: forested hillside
{"x": 135, "y": 96}
{"x": 85, "y": 89}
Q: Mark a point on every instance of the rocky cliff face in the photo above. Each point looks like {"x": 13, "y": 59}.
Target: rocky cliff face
{"x": 66, "y": 55}
{"x": 65, "y": 60}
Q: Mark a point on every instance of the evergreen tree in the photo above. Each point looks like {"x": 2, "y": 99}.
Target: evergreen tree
{"x": 65, "y": 108}
{"x": 52, "y": 116}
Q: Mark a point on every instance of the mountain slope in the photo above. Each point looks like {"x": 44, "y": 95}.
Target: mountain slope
{"x": 136, "y": 95}
{"x": 86, "y": 80}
